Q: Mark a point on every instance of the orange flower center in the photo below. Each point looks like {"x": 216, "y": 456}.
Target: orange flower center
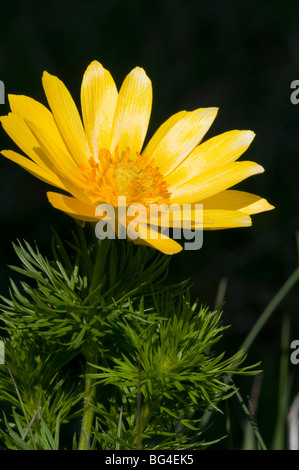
{"x": 120, "y": 175}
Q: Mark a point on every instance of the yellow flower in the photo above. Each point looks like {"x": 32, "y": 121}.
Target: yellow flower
{"x": 102, "y": 158}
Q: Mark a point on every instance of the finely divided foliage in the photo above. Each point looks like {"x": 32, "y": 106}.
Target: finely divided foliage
{"x": 156, "y": 370}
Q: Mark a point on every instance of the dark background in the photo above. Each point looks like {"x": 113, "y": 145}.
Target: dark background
{"x": 238, "y": 56}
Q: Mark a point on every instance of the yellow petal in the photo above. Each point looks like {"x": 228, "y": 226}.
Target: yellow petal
{"x": 20, "y": 133}
{"x": 217, "y": 151}
{"x": 213, "y": 181}
{"x": 67, "y": 118}
{"x": 72, "y": 207}
{"x": 189, "y": 218}
{"x": 237, "y": 201}
{"x": 55, "y": 153}
{"x": 33, "y": 168}
{"x": 33, "y": 111}
{"x": 162, "y": 132}
{"x": 152, "y": 238}
{"x": 172, "y": 215}
{"x": 98, "y": 100}
{"x": 132, "y": 112}
{"x": 199, "y": 217}
{"x": 171, "y": 148}
{"x": 75, "y": 191}
{"x": 222, "y": 219}
{"x": 47, "y": 173}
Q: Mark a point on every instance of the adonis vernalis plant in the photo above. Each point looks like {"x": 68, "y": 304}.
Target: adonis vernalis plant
{"x": 151, "y": 366}
{"x": 102, "y": 159}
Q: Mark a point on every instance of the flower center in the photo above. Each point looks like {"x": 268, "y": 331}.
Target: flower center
{"x": 119, "y": 175}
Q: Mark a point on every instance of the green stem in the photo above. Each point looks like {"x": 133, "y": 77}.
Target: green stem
{"x": 100, "y": 262}
{"x": 270, "y": 309}
{"x": 252, "y": 422}
{"x": 89, "y": 397}
{"x": 23, "y": 408}
{"x": 287, "y": 286}
{"x": 90, "y": 351}
{"x": 283, "y": 387}
{"x": 139, "y": 404}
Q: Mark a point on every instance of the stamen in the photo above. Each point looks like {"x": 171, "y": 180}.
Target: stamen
{"x": 117, "y": 175}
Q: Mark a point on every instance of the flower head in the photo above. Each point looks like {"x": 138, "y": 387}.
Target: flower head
{"x": 100, "y": 157}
